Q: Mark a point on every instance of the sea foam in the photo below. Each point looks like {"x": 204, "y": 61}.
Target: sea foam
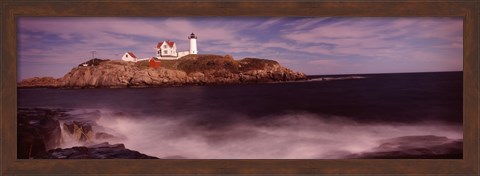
{"x": 287, "y": 136}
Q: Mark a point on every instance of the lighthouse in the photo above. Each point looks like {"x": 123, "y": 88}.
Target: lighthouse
{"x": 166, "y": 50}
{"x": 193, "y": 43}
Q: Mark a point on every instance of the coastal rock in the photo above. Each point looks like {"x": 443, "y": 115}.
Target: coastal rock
{"x": 191, "y": 69}
{"x": 98, "y": 151}
{"x": 40, "y": 133}
{"x": 41, "y": 82}
{"x": 93, "y": 62}
{"x": 38, "y": 130}
{"x": 79, "y": 125}
{"x": 81, "y": 130}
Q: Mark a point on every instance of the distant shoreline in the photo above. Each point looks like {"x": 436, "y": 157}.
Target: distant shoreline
{"x": 363, "y": 74}
{"x": 318, "y": 75}
{"x": 308, "y": 78}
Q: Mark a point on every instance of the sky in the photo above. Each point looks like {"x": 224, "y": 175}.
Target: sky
{"x": 52, "y": 46}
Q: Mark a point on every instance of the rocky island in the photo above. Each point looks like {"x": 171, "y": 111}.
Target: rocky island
{"x": 198, "y": 69}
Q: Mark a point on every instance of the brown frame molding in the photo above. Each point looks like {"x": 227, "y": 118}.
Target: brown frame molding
{"x": 10, "y": 10}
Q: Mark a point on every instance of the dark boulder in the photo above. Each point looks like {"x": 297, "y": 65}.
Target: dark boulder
{"x": 39, "y": 135}
{"x": 98, "y": 151}
{"x": 37, "y": 130}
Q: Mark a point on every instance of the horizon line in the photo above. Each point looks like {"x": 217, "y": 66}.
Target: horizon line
{"x": 383, "y": 73}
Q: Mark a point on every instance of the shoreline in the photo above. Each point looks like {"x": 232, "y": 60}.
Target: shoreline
{"x": 349, "y": 77}
{"x": 308, "y": 78}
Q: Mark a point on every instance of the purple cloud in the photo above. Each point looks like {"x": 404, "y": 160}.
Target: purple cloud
{"x": 311, "y": 45}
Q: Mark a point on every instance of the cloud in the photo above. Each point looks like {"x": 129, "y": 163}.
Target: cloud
{"x": 269, "y": 23}
{"x": 296, "y": 41}
{"x": 330, "y": 62}
{"x": 372, "y": 36}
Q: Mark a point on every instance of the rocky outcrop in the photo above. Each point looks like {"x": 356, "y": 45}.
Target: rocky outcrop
{"x": 40, "y": 82}
{"x": 79, "y": 126}
{"x": 38, "y": 130}
{"x": 81, "y": 130}
{"x": 188, "y": 70}
{"x": 93, "y": 62}
{"x": 98, "y": 151}
{"x": 40, "y": 134}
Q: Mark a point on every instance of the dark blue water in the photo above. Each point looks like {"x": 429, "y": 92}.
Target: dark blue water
{"x": 311, "y": 119}
{"x": 408, "y": 97}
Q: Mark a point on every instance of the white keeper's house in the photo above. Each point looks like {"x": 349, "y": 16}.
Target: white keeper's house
{"x": 166, "y": 50}
{"x": 129, "y": 56}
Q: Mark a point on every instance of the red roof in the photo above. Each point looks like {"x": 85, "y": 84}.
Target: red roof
{"x": 131, "y": 54}
{"x": 154, "y": 59}
{"x": 169, "y": 43}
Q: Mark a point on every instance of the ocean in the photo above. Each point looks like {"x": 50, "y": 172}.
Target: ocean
{"x": 326, "y": 117}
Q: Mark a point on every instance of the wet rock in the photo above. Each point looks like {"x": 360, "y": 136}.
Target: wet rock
{"x": 98, "y": 151}
{"x": 38, "y": 130}
{"x": 82, "y": 130}
{"x": 39, "y": 133}
{"x": 80, "y": 124}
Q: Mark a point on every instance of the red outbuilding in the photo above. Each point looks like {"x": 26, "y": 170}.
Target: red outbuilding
{"x": 154, "y": 62}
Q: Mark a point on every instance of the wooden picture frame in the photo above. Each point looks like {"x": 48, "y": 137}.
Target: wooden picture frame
{"x": 11, "y": 10}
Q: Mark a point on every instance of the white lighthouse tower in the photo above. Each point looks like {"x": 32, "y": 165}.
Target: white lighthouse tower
{"x": 193, "y": 43}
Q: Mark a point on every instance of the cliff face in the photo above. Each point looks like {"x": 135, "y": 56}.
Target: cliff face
{"x": 188, "y": 70}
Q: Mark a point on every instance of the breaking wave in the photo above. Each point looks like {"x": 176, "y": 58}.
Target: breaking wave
{"x": 287, "y": 136}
